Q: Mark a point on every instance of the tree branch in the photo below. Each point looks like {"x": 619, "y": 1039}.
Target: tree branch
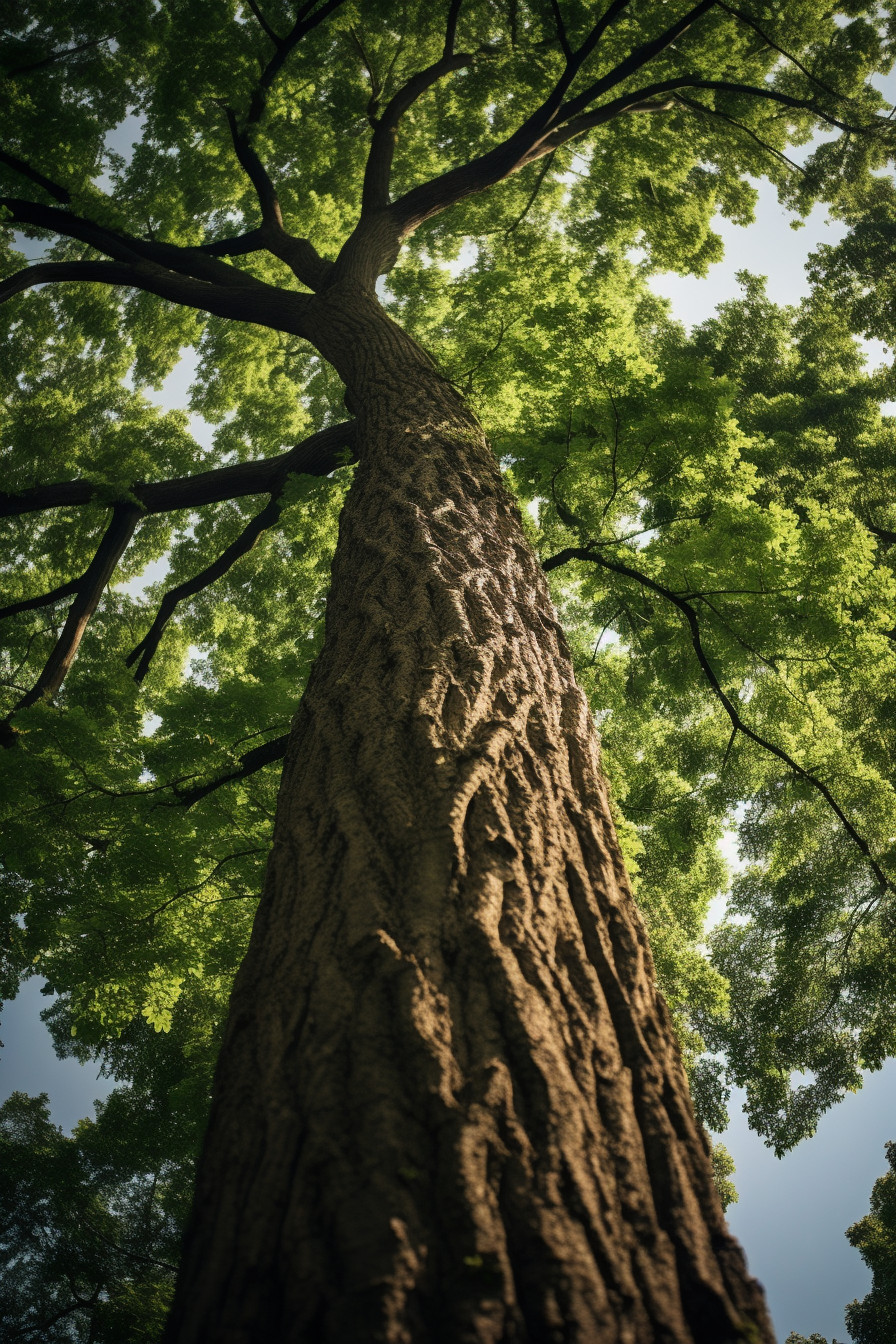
{"x": 556, "y": 122}
{"x": 696, "y": 106}
{"x": 44, "y": 600}
{"x": 263, "y": 23}
{"x": 375, "y": 193}
{"x": 265, "y": 305}
{"x": 249, "y": 763}
{"x": 194, "y": 262}
{"x": 252, "y": 166}
{"x": 560, "y": 27}
{"x": 642, "y": 55}
{"x": 267, "y": 518}
{"x": 57, "y": 56}
{"x": 204, "y": 579}
{"x": 54, "y": 189}
{"x": 782, "y": 51}
{"x": 318, "y": 455}
{"x": 307, "y": 19}
{"x": 90, "y": 589}
{"x": 662, "y": 97}
{"x": 588, "y": 554}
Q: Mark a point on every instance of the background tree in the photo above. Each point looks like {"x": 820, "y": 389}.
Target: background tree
{"x": 135, "y": 856}
{"x": 871, "y": 1320}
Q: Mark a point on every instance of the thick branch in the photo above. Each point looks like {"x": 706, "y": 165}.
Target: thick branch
{"x": 263, "y": 23}
{"x": 195, "y": 262}
{"x": 44, "y": 600}
{"x": 90, "y": 589}
{"x": 555, "y": 123}
{"x": 248, "y": 764}
{"x": 589, "y": 554}
{"x": 375, "y": 193}
{"x": 265, "y": 305}
{"x": 318, "y": 455}
{"x": 54, "y": 189}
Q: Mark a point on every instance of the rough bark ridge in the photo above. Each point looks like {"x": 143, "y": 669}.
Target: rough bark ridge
{"x": 449, "y": 1105}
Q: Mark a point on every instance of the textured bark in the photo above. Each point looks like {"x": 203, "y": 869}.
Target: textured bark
{"x": 449, "y": 1106}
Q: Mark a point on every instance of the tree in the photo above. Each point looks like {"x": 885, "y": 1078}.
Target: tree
{"x": 871, "y": 1320}
{"x": 449, "y": 1101}
{"x": 77, "y": 1216}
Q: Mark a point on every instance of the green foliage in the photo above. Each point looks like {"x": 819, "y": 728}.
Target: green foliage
{"x": 873, "y": 1319}
{"x": 89, "y": 1225}
{"x": 723, "y": 1169}
{"x": 744, "y": 474}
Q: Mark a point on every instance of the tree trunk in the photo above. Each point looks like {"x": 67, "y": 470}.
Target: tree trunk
{"x": 449, "y": 1106}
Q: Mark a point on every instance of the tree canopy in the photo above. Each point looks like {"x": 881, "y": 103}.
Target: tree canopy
{"x": 715, "y": 508}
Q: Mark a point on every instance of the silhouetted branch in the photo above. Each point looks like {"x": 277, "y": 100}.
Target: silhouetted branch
{"x": 54, "y": 189}
{"x": 125, "y": 247}
{"x": 90, "y": 589}
{"x": 55, "y": 56}
{"x": 588, "y": 553}
{"x": 263, "y": 23}
{"x": 750, "y": 22}
{"x": 265, "y": 305}
{"x": 318, "y": 455}
{"x": 696, "y": 106}
{"x": 249, "y": 763}
{"x": 204, "y": 579}
{"x": 44, "y": 600}
{"x": 255, "y": 170}
{"x": 308, "y": 17}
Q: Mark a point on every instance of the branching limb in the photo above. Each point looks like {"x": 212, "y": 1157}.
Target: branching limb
{"x": 308, "y": 17}
{"x": 318, "y": 455}
{"x": 248, "y": 764}
{"x": 54, "y": 189}
{"x": 642, "y": 55}
{"x": 188, "y": 261}
{"x": 244, "y": 543}
{"x": 55, "y": 56}
{"x": 589, "y": 554}
{"x": 263, "y": 23}
{"x": 44, "y": 600}
{"x": 204, "y": 579}
{"x": 663, "y": 96}
{"x": 299, "y": 254}
{"x": 556, "y": 122}
{"x": 375, "y": 194}
{"x": 90, "y": 589}
{"x": 266, "y": 305}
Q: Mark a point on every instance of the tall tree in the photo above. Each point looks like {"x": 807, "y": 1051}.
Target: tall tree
{"x": 449, "y": 1102}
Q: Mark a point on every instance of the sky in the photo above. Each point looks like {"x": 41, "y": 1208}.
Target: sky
{"x": 792, "y": 1213}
